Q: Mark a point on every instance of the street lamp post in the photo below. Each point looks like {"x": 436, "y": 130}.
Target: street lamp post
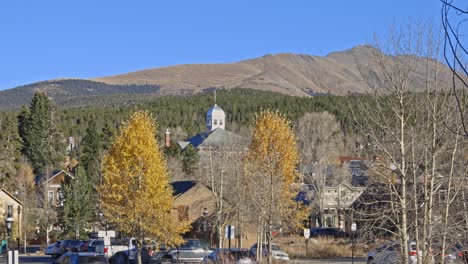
{"x": 9, "y": 223}
{"x": 19, "y": 226}
{"x": 205, "y": 214}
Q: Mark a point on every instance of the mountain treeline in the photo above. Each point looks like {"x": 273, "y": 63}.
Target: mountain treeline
{"x": 184, "y": 116}
{"x": 77, "y": 92}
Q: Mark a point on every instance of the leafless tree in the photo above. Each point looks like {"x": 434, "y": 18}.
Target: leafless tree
{"x": 320, "y": 143}
{"x": 454, "y": 23}
{"x": 220, "y": 170}
{"x": 405, "y": 119}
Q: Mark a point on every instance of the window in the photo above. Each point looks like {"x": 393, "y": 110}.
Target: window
{"x": 221, "y": 122}
{"x": 215, "y": 122}
{"x": 50, "y": 197}
{"x": 10, "y": 210}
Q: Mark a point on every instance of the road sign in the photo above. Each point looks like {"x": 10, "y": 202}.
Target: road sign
{"x": 106, "y": 236}
{"x": 306, "y": 233}
{"x": 229, "y": 232}
{"x": 353, "y": 227}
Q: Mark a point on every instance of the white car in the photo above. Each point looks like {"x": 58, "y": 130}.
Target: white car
{"x": 391, "y": 253}
{"x": 276, "y": 251}
{"x": 386, "y": 253}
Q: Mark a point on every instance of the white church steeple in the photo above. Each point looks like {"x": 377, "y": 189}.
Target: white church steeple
{"x": 215, "y": 118}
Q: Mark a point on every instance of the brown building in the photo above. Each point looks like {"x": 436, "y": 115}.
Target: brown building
{"x": 51, "y": 185}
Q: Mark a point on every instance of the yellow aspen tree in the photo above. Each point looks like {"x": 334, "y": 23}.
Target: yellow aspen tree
{"x": 136, "y": 194}
{"x": 270, "y": 171}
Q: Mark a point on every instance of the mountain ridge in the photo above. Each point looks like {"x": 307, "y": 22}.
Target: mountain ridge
{"x": 337, "y": 73}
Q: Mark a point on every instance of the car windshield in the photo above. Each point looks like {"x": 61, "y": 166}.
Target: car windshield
{"x": 191, "y": 244}
{"x": 98, "y": 243}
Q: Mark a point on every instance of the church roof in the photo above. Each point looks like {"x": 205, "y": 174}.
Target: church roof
{"x": 214, "y": 139}
{"x": 215, "y": 108}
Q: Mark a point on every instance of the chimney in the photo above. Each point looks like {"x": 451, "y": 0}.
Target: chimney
{"x": 168, "y": 138}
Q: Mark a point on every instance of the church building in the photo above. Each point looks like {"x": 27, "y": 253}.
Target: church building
{"x": 215, "y": 135}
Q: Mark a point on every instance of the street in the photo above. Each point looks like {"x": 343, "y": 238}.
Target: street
{"x": 41, "y": 259}
{"x": 35, "y": 259}
{"x": 341, "y": 260}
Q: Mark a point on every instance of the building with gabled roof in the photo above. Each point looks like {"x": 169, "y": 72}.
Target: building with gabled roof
{"x": 52, "y": 184}
{"x": 215, "y": 136}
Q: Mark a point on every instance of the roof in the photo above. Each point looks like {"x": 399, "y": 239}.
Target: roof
{"x": 214, "y": 109}
{"x": 344, "y": 159}
{"x": 40, "y": 177}
{"x": 181, "y": 187}
{"x": 11, "y": 196}
{"x": 214, "y": 139}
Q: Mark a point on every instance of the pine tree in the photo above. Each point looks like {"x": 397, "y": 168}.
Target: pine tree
{"x": 77, "y": 208}
{"x": 190, "y": 158}
{"x": 42, "y": 143}
{"x": 10, "y": 144}
{"x": 91, "y": 152}
{"x": 136, "y": 194}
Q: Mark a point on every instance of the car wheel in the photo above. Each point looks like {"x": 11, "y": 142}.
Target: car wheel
{"x": 370, "y": 260}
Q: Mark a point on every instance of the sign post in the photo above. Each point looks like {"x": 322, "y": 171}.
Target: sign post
{"x": 353, "y": 230}
{"x": 229, "y": 234}
{"x": 307, "y": 236}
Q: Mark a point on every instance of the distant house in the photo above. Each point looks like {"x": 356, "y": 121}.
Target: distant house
{"x": 337, "y": 204}
{"x": 51, "y": 185}
{"x": 9, "y": 206}
{"x": 191, "y": 199}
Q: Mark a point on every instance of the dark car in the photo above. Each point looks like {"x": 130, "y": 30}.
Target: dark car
{"x": 81, "y": 258}
{"x": 61, "y": 247}
{"x": 233, "y": 255}
{"x": 327, "y": 232}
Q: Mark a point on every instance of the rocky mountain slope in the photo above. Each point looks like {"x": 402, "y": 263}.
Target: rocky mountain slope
{"x": 293, "y": 74}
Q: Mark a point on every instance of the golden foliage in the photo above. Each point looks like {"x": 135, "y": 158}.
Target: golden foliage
{"x": 136, "y": 194}
{"x": 270, "y": 168}
{"x": 274, "y": 146}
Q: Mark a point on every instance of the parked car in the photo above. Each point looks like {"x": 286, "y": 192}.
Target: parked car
{"x": 52, "y": 249}
{"x": 60, "y": 247}
{"x": 95, "y": 245}
{"x": 184, "y": 256}
{"x": 327, "y": 232}
{"x": 386, "y": 253}
{"x": 390, "y": 252}
{"x": 81, "y": 258}
{"x": 233, "y": 255}
{"x": 82, "y": 246}
{"x": 455, "y": 254}
{"x": 276, "y": 251}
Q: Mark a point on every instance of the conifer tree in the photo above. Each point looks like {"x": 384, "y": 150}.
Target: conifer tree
{"x": 10, "y": 144}
{"x": 190, "y": 158}
{"x": 91, "y": 152}
{"x": 136, "y": 194}
{"x": 77, "y": 209}
{"x": 42, "y": 143}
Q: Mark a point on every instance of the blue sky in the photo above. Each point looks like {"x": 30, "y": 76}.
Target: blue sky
{"x": 50, "y": 39}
